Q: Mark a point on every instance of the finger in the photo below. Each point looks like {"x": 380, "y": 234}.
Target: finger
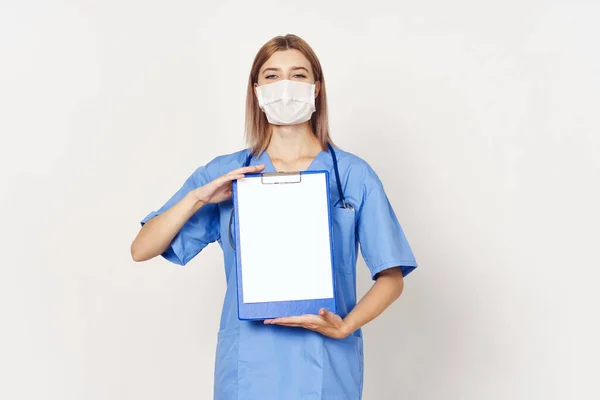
{"x": 329, "y": 316}
{"x": 281, "y": 321}
{"x": 247, "y": 170}
{"x": 287, "y": 320}
{"x": 306, "y": 325}
{"x": 228, "y": 178}
{"x": 292, "y": 320}
{"x": 289, "y": 324}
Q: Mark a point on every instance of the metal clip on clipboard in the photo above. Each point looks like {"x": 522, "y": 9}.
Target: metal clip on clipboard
{"x": 276, "y": 178}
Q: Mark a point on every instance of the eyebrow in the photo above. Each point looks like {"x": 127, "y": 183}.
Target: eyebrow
{"x": 279, "y": 69}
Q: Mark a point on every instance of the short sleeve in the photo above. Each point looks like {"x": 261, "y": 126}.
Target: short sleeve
{"x": 382, "y": 241}
{"x": 201, "y": 229}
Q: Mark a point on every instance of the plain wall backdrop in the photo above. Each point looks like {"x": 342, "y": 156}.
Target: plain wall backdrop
{"x": 481, "y": 118}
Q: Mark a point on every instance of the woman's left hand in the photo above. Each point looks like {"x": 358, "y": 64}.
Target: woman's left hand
{"x": 326, "y": 323}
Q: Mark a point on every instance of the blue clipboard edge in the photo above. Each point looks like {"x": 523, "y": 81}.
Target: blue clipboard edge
{"x": 261, "y": 311}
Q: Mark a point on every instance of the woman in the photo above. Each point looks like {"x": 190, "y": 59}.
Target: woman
{"x": 287, "y": 128}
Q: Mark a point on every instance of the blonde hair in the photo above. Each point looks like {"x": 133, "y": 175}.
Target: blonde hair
{"x": 258, "y": 133}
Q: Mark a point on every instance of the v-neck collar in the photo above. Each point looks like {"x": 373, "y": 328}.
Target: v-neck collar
{"x": 264, "y": 158}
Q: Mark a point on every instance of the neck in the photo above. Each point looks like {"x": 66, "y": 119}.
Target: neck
{"x": 289, "y": 142}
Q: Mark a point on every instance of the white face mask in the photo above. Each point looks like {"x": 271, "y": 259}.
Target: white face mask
{"x": 287, "y": 102}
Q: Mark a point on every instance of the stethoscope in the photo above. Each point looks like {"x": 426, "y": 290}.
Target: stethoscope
{"x": 345, "y": 204}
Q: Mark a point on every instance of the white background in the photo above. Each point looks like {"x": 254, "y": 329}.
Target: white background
{"x": 481, "y": 118}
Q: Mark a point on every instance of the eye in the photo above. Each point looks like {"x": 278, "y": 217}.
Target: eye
{"x": 270, "y": 76}
{"x": 301, "y": 76}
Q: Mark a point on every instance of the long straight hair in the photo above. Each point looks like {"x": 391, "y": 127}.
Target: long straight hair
{"x": 258, "y": 132}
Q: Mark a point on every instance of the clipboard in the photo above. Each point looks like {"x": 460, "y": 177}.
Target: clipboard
{"x": 283, "y": 244}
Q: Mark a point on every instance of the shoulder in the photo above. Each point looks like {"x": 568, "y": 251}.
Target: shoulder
{"x": 356, "y": 168}
{"x": 221, "y": 165}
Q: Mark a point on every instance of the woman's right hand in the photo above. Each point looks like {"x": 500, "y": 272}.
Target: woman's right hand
{"x": 219, "y": 189}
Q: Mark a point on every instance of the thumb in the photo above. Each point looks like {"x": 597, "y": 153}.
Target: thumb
{"x": 329, "y": 316}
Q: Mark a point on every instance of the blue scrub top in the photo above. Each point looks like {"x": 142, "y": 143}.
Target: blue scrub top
{"x": 270, "y": 362}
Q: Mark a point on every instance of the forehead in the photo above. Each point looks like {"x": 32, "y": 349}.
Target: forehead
{"x": 287, "y": 58}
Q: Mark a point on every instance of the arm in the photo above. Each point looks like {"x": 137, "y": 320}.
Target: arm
{"x": 386, "y": 289}
{"x": 158, "y": 232}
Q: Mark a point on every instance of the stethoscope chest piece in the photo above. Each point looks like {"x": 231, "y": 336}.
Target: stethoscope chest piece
{"x": 347, "y": 205}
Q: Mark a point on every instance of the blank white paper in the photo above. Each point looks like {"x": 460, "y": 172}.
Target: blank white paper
{"x": 284, "y": 240}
